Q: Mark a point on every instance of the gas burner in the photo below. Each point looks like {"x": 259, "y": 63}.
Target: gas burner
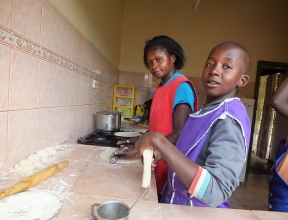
{"x": 100, "y": 138}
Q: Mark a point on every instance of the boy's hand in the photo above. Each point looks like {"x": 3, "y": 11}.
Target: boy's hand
{"x": 145, "y": 141}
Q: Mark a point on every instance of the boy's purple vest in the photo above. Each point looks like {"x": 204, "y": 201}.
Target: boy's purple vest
{"x": 191, "y": 141}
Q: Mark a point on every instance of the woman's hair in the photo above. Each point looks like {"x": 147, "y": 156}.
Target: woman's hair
{"x": 168, "y": 45}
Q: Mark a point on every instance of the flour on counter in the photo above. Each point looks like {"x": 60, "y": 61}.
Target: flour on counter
{"x": 30, "y": 205}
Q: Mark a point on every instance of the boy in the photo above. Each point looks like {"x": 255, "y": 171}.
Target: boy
{"x": 205, "y": 165}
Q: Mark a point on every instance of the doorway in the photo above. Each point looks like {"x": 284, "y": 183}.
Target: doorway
{"x": 259, "y": 161}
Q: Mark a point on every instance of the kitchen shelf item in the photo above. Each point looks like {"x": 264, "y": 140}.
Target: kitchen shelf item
{"x": 124, "y": 100}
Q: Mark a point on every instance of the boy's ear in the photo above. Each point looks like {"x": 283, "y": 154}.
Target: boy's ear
{"x": 243, "y": 81}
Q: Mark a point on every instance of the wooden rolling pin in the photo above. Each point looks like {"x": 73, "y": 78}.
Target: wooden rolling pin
{"x": 34, "y": 179}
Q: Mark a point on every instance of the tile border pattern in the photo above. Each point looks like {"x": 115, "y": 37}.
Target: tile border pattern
{"x": 16, "y": 41}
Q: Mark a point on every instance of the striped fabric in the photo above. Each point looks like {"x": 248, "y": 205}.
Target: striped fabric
{"x": 200, "y": 183}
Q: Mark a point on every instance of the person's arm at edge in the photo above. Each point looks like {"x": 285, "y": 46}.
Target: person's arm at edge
{"x": 144, "y": 116}
{"x": 279, "y": 100}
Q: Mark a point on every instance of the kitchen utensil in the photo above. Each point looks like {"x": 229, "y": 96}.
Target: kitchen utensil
{"x": 137, "y": 201}
{"x": 127, "y": 134}
{"x": 108, "y": 120}
{"x": 127, "y": 150}
{"x": 34, "y": 179}
{"x": 125, "y": 153}
{"x": 112, "y": 210}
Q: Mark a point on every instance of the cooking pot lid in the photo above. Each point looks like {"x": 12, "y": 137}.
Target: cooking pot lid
{"x": 110, "y": 113}
{"x": 127, "y": 134}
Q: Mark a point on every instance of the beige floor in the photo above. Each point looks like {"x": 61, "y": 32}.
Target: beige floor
{"x": 252, "y": 194}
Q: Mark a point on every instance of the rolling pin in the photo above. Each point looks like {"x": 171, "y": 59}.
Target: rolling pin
{"x": 33, "y": 180}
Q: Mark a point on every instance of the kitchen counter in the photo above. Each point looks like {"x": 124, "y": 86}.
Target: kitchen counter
{"x": 89, "y": 179}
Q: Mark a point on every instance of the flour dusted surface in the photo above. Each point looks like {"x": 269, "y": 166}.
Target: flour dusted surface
{"x": 30, "y": 205}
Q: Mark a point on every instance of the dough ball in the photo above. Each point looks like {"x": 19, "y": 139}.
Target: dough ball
{"x": 51, "y": 151}
{"x": 25, "y": 165}
{"x": 44, "y": 158}
{"x": 36, "y": 159}
{"x": 44, "y": 155}
{"x": 26, "y": 162}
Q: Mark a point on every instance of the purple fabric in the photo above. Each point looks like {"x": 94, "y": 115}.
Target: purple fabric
{"x": 191, "y": 141}
{"x": 278, "y": 187}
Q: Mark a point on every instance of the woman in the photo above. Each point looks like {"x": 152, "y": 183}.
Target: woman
{"x": 174, "y": 99}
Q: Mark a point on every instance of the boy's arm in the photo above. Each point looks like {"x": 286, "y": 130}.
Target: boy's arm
{"x": 280, "y": 99}
{"x": 226, "y": 156}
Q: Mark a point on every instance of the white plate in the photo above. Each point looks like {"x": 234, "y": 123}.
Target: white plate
{"x": 127, "y": 134}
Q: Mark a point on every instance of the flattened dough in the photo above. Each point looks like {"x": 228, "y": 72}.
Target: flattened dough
{"x": 31, "y": 204}
{"x": 106, "y": 155}
{"x": 127, "y": 134}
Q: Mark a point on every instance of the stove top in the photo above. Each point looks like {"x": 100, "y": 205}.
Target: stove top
{"x": 101, "y": 138}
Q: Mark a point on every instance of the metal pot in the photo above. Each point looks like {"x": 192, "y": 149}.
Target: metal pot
{"x": 108, "y": 120}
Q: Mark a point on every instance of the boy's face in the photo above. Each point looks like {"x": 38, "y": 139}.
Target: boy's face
{"x": 160, "y": 63}
{"x": 223, "y": 72}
